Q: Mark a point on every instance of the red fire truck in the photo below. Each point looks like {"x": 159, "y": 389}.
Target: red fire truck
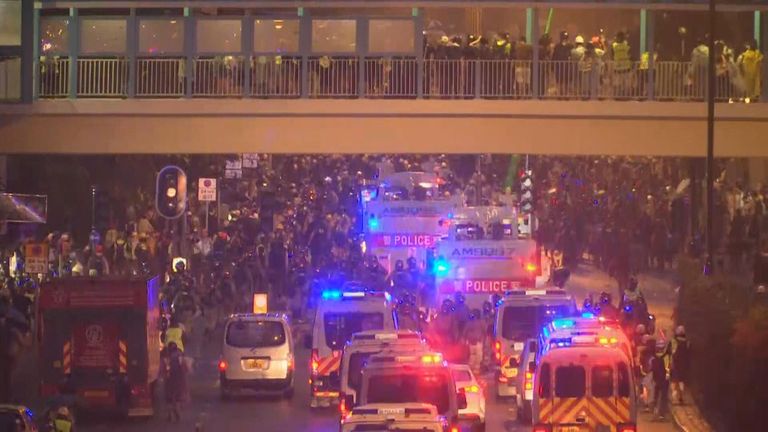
{"x": 99, "y": 340}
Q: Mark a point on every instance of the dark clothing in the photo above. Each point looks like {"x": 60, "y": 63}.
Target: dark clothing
{"x": 681, "y": 360}
{"x": 176, "y": 378}
{"x": 562, "y": 52}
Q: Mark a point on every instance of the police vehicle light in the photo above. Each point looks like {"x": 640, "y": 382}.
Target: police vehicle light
{"x": 331, "y": 295}
{"x": 441, "y": 267}
{"x": 432, "y": 358}
{"x": 472, "y": 389}
{"x": 606, "y": 340}
{"x": 373, "y": 223}
{"x": 560, "y": 342}
{"x": 531, "y": 267}
{"x": 562, "y": 323}
{"x": 587, "y": 315}
{"x": 353, "y": 294}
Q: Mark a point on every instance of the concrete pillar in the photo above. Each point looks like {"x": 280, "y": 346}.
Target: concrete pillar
{"x": 361, "y": 44}
{"x": 418, "y": 44}
{"x": 74, "y": 50}
{"x": 36, "y": 54}
{"x": 132, "y": 45}
{"x": 190, "y": 48}
{"x": 305, "y": 48}
{"x": 247, "y": 51}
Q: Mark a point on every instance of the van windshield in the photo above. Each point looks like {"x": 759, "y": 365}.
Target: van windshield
{"x": 255, "y": 334}
{"x": 339, "y": 327}
{"x": 524, "y": 322}
{"x": 432, "y": 388}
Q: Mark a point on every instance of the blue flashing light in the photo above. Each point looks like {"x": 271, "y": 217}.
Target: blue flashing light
{"x": 331, "y": 295}
{"x": 442, "y": 267}
{"x": 387, "y": 296}
{"x": 562, "y": 323}
{"x": 560, "y": 342}
{"x": 628, "y": 308}
{"x": 373, "y": 223}
{"x": 587, "y": 315}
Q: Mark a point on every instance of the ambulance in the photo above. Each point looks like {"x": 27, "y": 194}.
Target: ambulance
{"x": 406, "y": 218}
{"x": 520, "y": 316}
{"x": 340, "y": 314}
{"x": 386, "y": 417}
{"x": 584, "y": 330}
{"x": 484, "y": 254}
{"x": 584, "y": 388}
{"x": 361, "y": 348}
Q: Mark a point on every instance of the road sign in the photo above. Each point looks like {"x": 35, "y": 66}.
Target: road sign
{"x": 206, "y": 189}
{"x": 36, "y": 258}
{"x": 259, "y": 303}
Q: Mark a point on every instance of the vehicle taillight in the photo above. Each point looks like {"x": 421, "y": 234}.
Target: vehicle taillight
{"x": 531, "y": 267}
{"x": 542, "y": 428}
{"x": 315, "y": 362}
{"x": 497, "y": 351}
{"x": 626, "y": 427}
{"x": 222, "y": 365}
{"x": 455, "y": 429}
{"x": 528, "y": 381}
{"x": 342, "y": 405}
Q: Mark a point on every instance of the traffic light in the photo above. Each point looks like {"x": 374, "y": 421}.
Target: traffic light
{"x": 171, "y": 192}
{"x": 526, "y": 192}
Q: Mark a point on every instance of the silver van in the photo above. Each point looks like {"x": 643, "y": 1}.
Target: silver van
{"x": 257, "y": 355}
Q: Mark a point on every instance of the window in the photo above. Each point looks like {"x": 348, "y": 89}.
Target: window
{"x": 98, "y": 35}
{"x": 461, "y": 375}
{"x": 357, "y": 362}
{"x": 334, "y": 36}
{"x": 339, "y": 327}
{"x": 161, "y": 36}
{"x": 54, "y": 35}
{"x": 602, "y": 381}
{"x": 255, "y": 334}
{"x": 391, "y": 36}
{"x": 218, "y": 36}
{"x": 10, "y": 22}
{"x": 10, "y": 78}
{"x": 276, "y": 35}
{"x": 570, "y": 381}
{"x": 524, "y": 322}
{"x": 544, "y": 382}
{"x": 623, "y": 372}
{"x": 429, "y": 388}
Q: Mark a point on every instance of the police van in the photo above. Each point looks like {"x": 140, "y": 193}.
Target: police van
{"x": 484, "y": 255}
{"x": 406, "y": 217}
{"x": 359, "y": 350}
{"x": 520, "y": 316}
{"x": 417, "y": 377}
{"x": 339, "y": 315}
{"x": 584, "y": 388}
{"x": 394, "y": 417}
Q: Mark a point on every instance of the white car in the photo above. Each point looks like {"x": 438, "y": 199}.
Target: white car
{"x": 474, "y": 413}
{"x": 394, "y": 417}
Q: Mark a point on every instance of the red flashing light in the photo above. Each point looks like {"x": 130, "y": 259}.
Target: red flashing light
{"x": 503, "y": 379}
{"x": 222, "y": 366}
{"x": 455, "y": 429}
{"x": 342, "y": 406}
{"x": 315, "y": 362}
{"x": 626, "y": 427}
{"x": 542, "y": 428}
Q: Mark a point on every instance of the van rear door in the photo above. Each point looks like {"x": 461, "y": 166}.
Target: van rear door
{"x": 570, "y": 408}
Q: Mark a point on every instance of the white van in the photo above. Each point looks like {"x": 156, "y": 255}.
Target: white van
{"x": 339, "y": 315}
{"x": 360, "y": 348}
{"x": 257, "y": 355}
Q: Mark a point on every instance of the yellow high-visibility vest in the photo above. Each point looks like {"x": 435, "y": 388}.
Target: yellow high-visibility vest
{"x": 621, "y": 62}
{"x": 174, "y": 334}
{"x": 62, "y": 425}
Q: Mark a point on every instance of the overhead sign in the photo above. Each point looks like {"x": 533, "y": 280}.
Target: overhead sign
{"x": 36, "y": 258}
{"x": 403, "y": 240}
{"x": 206, "y": 189}
{"x": 250, "y": 160}
{"x": 479, "y": 286}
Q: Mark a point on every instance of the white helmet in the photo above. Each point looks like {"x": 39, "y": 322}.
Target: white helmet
{"x": 579, "y": 39}
{"x": 680, "y": 331}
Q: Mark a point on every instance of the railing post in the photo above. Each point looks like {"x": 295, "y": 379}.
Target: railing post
{"x": 532, "y": 29}
{"x": 247, "y": 47}
{"x": 133, "y": 47}
{"x": 361, "y": 45}
{"x": 478, "y": 83}
{"x": 418, "y": 44}
{"x": 305, "y": 48}
{"x": 190, "y": 42}
{"x": 74, "y": 50}
{"x": 651, "y": 43}
{"x": 594, "y": 79}
{"x": 35, "y": 53}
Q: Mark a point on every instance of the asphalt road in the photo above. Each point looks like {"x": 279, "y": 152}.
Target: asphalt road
{"x": 207, "y": 412}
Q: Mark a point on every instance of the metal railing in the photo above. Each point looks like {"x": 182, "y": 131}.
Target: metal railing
{"x": 276, "y": 76}
{"x": 54, "y": 77}
{"x": 333, "y": 77}
{"x": 391, "y": 77}
{"x": 102, "y": 77}
{"x": 160, "y": 77}
{"x": 220, "y": 76}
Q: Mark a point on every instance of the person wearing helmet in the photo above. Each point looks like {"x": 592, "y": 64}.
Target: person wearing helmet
{"x": 474, "y": 336}
{"x": 660, "y": 380}
{"x": 607, "y": 309}
{"x": 61, "y": 420}
{"x": 461, "y": 311}
{"x": 563, "y": 69}
{"x": 680, "y": 349}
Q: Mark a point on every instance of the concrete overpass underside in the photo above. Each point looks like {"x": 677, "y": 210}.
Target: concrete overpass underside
{"x": 381, "y": 126}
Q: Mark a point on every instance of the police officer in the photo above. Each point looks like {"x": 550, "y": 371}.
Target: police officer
{"x": 461, "y": 311}
{"x": 680, "y": 349}
{"x": 607, "y": 309}
{"x": 622, "y": 64}
{"x": 62, "y": 420}
{"x": 175, "y": 334}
